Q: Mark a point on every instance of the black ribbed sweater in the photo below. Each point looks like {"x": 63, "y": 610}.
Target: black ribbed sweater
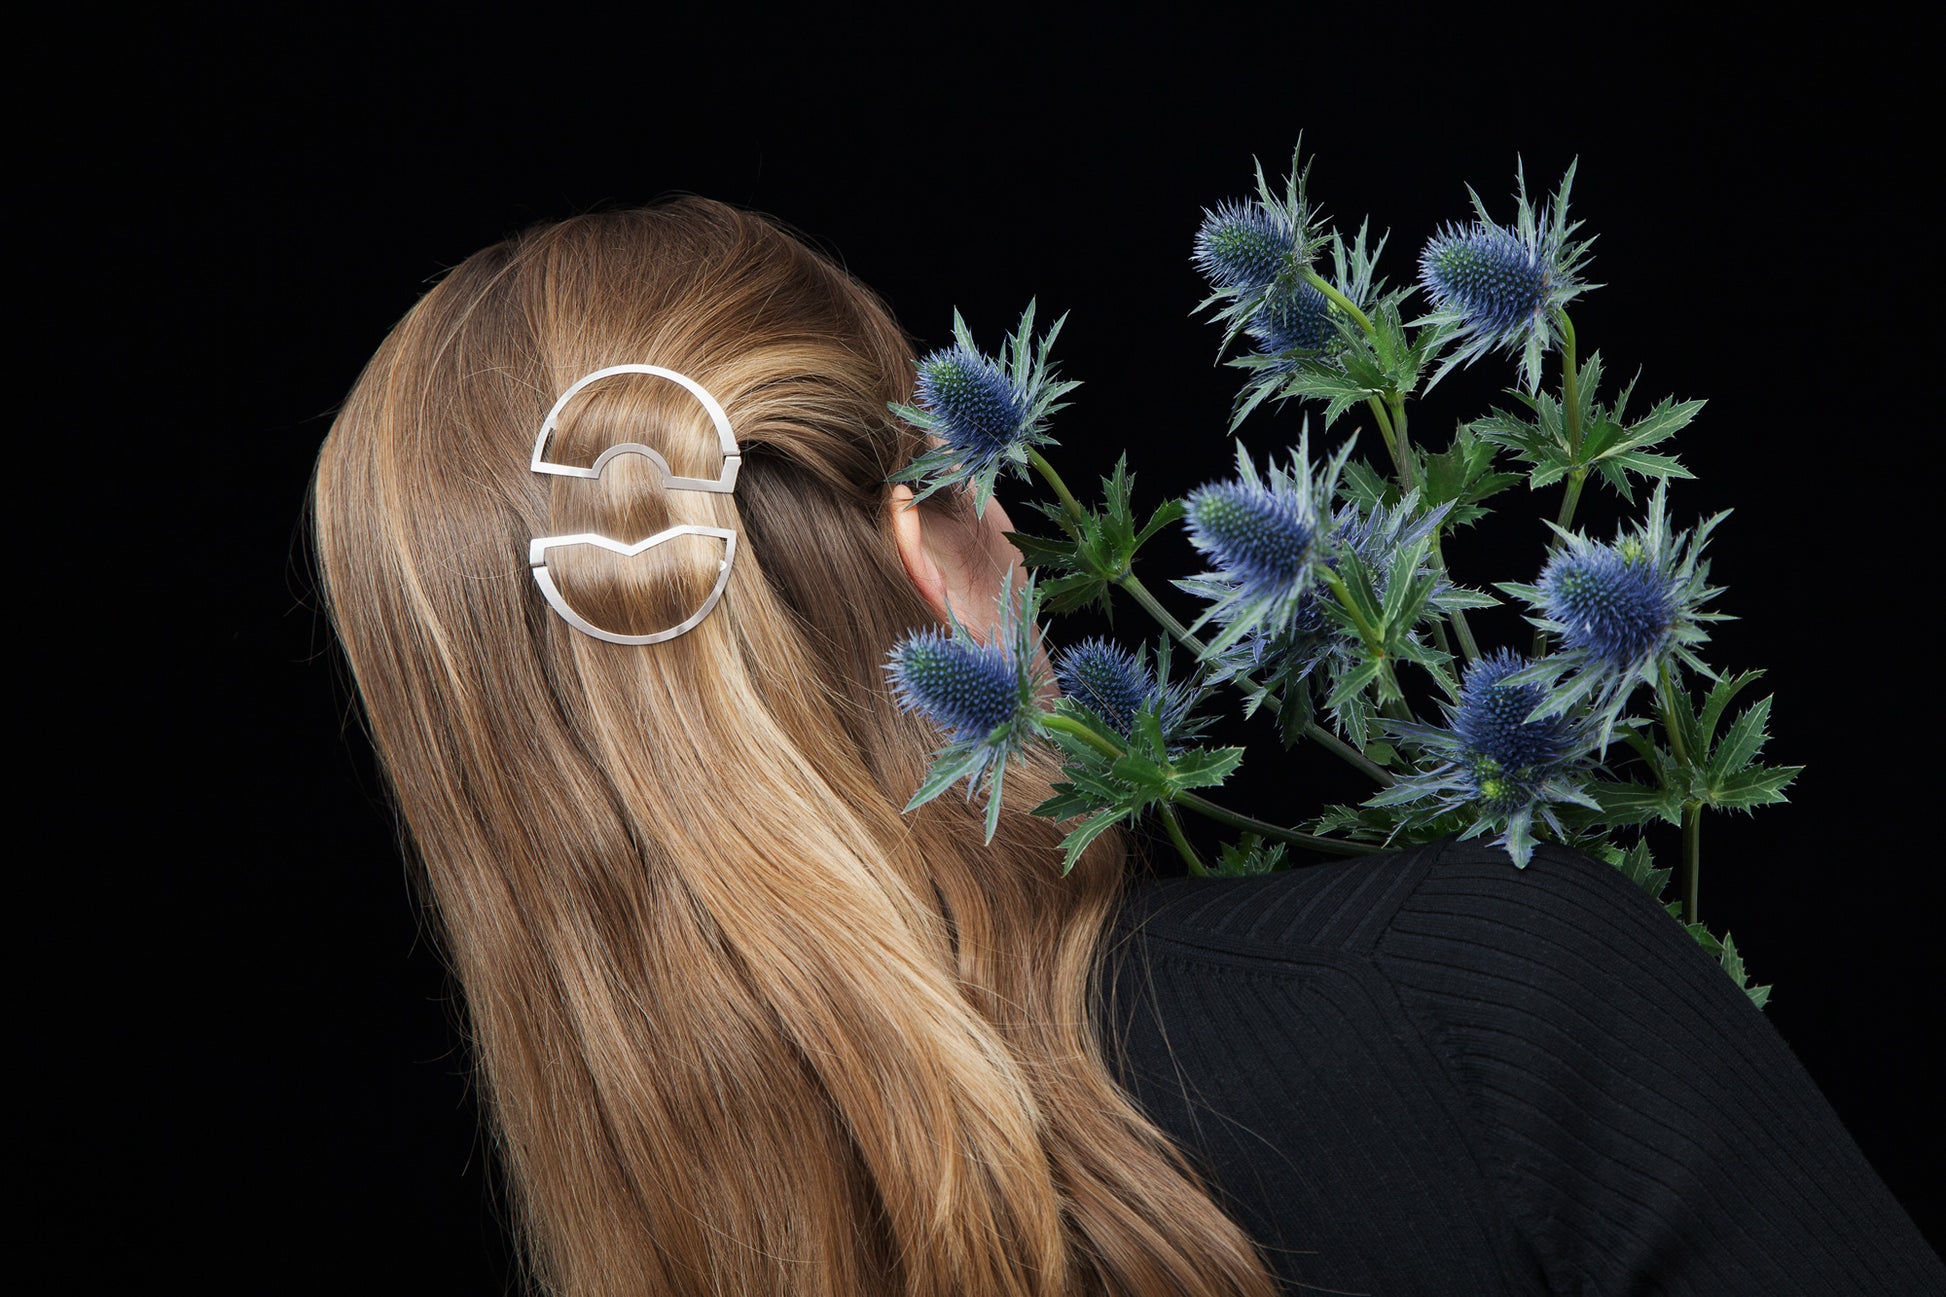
{"x": 1432, "y": 1073}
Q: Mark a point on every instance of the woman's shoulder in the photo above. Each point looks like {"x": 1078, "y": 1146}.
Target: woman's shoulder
{"x": 1608, "y": 1107}
{"x": 1358, "y": 907}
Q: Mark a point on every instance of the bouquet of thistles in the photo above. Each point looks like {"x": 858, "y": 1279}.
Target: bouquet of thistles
{"x": 1327, "y": 602}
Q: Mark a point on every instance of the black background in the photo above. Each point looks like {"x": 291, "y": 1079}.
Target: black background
{"x": 252, "y": 1050}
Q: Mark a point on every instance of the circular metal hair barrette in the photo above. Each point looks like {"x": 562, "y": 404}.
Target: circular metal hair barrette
{"x": 724, "y": 483}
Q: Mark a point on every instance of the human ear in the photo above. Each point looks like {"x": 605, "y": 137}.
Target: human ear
{"x": 909, "y": 533}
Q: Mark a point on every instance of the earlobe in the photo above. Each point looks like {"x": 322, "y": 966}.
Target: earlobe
{"x": 907, "y": 531}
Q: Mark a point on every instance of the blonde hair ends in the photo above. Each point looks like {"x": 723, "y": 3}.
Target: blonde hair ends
{"x": 742, "y": 1026}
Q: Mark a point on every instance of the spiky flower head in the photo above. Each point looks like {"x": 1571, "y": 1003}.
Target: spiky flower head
{"x": 1495, "y": 762}
{"x": 968, "y": 689}
{"x": 1495, "y": 287}
{"x": 1608, "y": 600}
{"x": 1297, "y": 326}
{"x": 1115, "y": 684}
{"x": 983, "y": 695}
{"x": 1257, "y": 251}
{"x": 1261, "y": 257}
{"x": 979, "y": 411}
{"x": 1494, "y": 722}
{"x": 1266, "y": 539}
{"x": 1294, "y": 316}
{"x": 1258, "y": 536}
{"x": 1622, "y": 612}
{"x": 985, "y": 413}
{"x": 1312, "y": 643}
{"x": 1243, "y": 245}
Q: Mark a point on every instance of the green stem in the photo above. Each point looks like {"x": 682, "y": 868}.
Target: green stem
{"x": 1692, "y": 812}
{"x": 1333, "y": 846}
{"x": 1396, "y": 400}
{"x": 1393, "y": 699}
{"x": 1570, "y": 386}
{"x": 1069, "y": 725}
{"x": 1393, "y": 430}
{"x": 1384, "y": 422}
{"x": 1570, "y": 499}
{"x": 1439, "y": 637}
{"x": 1571, "y": 411}
{"x": 1366, "y": 632}
{"x": 1150, "y": 604}
{"x": 1666, "y": 695}
{"x": 1571, "y": 414}
{"x": 1338, "y": 299}
{"x": 1686, "y": 872}
{"x": 1054, "y": 482}
{"x": 1173, "y": 822}
{"x": 1468, "y": 645}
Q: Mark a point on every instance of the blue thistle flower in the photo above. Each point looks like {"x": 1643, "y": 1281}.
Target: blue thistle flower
{"x": 1494, "y": 280}
{"x": 968, "y": 689}
{"x": 1258, "y": 255}
{"x": 984, "y": 696}
{"x": 1498, "y": 288}
{"x": 1242, "y": 246}
{"x": 1496, "y": 760}
{"x": 984, "y": 413}
{"x": 1265, "y": 538}
{"x": 1258, "y": 536}
{"x": 1294, "y": 316}
{"x": 979, "y": 411}
{"x": 1115, "y": 684}
{"x": 1255, "y": 252}
{"x": 1318, "y": 641}
{"x": 1611, "y": 603}
{"x": 1276, "y": 655}
{"x": 1622, "y": 612}
{"x": 1103, "y": 676}
{"x": 1494, "y": 720}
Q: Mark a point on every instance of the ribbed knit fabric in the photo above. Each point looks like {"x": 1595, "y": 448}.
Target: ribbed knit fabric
{"x": 1433, "y": 1073}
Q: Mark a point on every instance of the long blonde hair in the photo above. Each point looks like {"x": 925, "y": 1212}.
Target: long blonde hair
{"x": 742, "y": 1026}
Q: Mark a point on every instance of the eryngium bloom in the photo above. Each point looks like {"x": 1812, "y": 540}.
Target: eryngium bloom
{"x": 979, "y": 412}
{"x": 1294, "y": 316}
{"x": 1621, "y": 612}
{"x": 1311, "y": 642}
{"x": 986, "y": 414}
{"x": 1494, "y": 723}
{"x": 1257, "y": 535}
{"x": 984, "y": 696}
{"x": 1609, "y": 601}
{"x": 1495, "y": 760}
{"x": 1115, "y": 684}
{"x": 1242, "y": 245}
{"x": 1265, "y": 538}
{"x": 968, "y": 689}
{"x": 1498, "y": 288}
{"x": 1255, "y": 250}
{"x": 1495, "y": 281}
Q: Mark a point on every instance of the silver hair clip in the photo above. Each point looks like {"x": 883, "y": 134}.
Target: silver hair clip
{"x": 724, "y": 482}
